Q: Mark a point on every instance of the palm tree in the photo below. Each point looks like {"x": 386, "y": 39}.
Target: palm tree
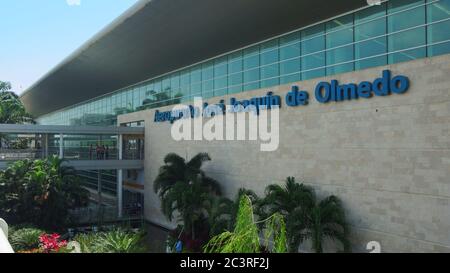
{"x": 183, "y": 186}
{"x": 245, "y": 237}
{"x": 222, "y": 212}
{"x": 287, "y": 199}
{"x": 12, "y": 110}
{"x": 326, "y": 220}
{"x": 305, "y": 218}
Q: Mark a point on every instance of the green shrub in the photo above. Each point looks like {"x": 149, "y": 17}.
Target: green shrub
{"x": 40, "y": 192}
{"x": 116, "y": 241}
{"x": 245, "y": 236}
{"x": 119, "y": 241}
{"x": 25, "y": 238}
{"x": 87, "y": 241}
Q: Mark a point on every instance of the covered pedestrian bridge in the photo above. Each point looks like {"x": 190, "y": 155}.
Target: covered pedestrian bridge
{"x": 107, "y": 159}
{"x": 84, "y": 148}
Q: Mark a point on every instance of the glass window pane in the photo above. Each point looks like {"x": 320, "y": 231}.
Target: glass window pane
{"x": 196, "y": 79}
{"x": 438, "y": 32}
{"x": 196, "y": 74}
{"x": 207, "y": 79}
{"x": 340, "y": 33}
{"x": 220, "y": 76}
{"x": 269, "y": 52}
{"x": 166, "y": 85}
{"x": 251, "y": 68}
{"x": 235, "y": 66}
{"x": 157, "y": 86}
{"x": 313, "y": 40}
{"x": 270, "y": 75}
{"x": 175, "y": 87}
{"x": 367, "y": 27}
{"x": 290, "y": 58}
{"x": 404, "y": 40}
{"x": 269, "y": 63}
{"x": 185, "y": 81}
{"x": 175, "y": 81}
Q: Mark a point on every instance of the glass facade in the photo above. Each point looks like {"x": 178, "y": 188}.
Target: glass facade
{"x": 396, "y": 31}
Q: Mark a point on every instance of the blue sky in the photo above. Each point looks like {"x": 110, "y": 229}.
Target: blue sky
{"x": 38, "y": 34}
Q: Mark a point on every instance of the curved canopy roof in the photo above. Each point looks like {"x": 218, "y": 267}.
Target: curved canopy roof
{"x": 158, "y": 36}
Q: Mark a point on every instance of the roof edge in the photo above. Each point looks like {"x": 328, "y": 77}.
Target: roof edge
{"x": 108, "y": 28}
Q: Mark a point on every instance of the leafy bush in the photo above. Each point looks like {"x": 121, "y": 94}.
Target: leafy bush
{"x": 245, "y": 237}
{"x": 184, "y": 187}
{"x": 116, "y": 241}
{"x": 25, "y": 239}
{"x": 222, "y": 212}
{"x": 305, "y": 216}
{"x": 40, "y": 192}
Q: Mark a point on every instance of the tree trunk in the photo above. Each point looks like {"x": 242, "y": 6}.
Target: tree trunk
{"x": 193, "y": 230}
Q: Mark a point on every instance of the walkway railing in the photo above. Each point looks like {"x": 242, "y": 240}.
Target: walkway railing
{"x": 5, "y": 247}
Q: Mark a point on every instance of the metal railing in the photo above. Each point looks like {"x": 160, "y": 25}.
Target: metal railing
{"x": 69, "y": 154}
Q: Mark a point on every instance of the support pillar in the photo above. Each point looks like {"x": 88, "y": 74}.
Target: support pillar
{"x": 120, "y": 178}
{"x": 99, "y": 187}
{"x": 119, "y": 193}
{"x": 45, "y": 144}
{"x": 61, "y": 146}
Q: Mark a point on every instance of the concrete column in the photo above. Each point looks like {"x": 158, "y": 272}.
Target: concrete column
{"x": 99, "y": 187}
{"x": 45, "y": 145}
{"x": 119, "y": 193}
{"x": 61, "y": 146}
{"x": 120, "y": 178}
{"x": 120, "y": 147}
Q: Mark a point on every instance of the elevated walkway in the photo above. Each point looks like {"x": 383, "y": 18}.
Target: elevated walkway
{"x": 82, "y": 147}
{"x": 85, "y": 165}
{"x": 99, "y": 150}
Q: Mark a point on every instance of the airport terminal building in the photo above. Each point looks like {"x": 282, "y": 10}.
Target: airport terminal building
{"x": 363, "y": 94}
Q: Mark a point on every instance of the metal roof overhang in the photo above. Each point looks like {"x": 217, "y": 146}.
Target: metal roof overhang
{"x": 158, "y": 36}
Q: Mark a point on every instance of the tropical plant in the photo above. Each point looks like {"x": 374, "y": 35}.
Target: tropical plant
{"x": 245, "y": 237}
{"x": 5, "y": 86}
{"x": 222, "y": 212}
{"x": 116, "y": 241}
{"x": 326, "y": 220}
{"x": 184, "y": 188}
{"x": 305, "y": 217}
{"x": 87, "y": 242}
{"x": 51, "y": 243}
{"x": 12, "y": 110}
{"x": 159, "y": 99}
{"x": 25, "y": 238}
{"x": 292, "y": 201}
{"x": 119, "y": 241}
{"x": 40, "y": 192}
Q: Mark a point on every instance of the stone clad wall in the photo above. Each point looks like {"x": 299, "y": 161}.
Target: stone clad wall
{"x": 387, "y": 158}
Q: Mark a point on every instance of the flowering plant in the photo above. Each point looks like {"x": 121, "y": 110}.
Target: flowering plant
{"x": 51, "y": 243}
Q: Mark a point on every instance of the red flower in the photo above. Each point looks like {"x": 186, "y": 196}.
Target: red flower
{"x": 51, "y": 243}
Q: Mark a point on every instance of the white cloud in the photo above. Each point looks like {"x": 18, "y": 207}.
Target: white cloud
{"x": 73, "y": 2}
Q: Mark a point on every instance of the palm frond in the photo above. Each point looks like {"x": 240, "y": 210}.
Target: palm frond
{"x": 197, "y": 161}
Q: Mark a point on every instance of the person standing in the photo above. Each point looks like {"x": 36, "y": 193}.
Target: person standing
{"x": 103, "y": 152}
{"x": 107, "y": 152}
{"x": 97, "y": 150}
